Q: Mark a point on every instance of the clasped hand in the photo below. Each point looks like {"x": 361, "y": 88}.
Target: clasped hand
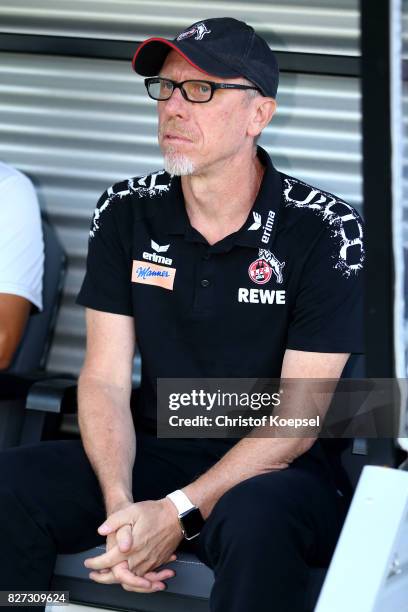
{"x": 140, "y": 538}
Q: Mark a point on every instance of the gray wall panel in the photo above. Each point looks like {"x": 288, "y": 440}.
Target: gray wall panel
{"x": 317, "y": 26}
{"x": 76, "y": 126}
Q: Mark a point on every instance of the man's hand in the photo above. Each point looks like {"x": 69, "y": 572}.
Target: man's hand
{"x": 120, "y": 574}
{"x": 139, "y": 550}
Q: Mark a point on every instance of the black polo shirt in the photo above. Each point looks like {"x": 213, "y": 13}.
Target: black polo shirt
{"x": 289, "y": 278}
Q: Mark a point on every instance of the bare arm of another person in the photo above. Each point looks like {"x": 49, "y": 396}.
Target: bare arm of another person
{"x": 21, "y": 259}
{"x": 106, "y": 425}
{"x": 14, "y": 313}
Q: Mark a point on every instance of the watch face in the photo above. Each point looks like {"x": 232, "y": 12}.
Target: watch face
{"x": 192, "y": 523}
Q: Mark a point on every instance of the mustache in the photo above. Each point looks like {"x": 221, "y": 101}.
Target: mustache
{"x": 176, "y": 130}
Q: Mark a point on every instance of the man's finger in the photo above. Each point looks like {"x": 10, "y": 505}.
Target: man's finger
{"x": 106, "y": 560}
{"x": 124, "y": 538}
{"x": 145, "y": 586}
{"x": 160, "y": 575}
{"x": 115, "y": 521}
{"x": 157, "y": 586}
{"x": 126, "y": 577}
{"x": 140, "y": 566}
{"x": 103, "y": 578}
{"x": 107, "y": 576}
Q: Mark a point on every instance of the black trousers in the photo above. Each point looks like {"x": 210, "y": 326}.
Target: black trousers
{"x": 260, "y": 539}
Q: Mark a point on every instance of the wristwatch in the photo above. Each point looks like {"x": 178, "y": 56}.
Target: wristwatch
{"x": 190, "y": 518}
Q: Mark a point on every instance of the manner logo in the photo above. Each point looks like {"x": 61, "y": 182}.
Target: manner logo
{"x": 151, "y": 274}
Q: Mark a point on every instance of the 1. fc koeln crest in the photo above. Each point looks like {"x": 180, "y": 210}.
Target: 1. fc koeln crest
{"x": 260, "y": 271}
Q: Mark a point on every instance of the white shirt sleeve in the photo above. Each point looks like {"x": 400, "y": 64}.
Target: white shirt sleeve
{"x": 21, "y": 240}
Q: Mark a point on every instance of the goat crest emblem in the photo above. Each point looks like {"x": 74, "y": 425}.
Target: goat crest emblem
{"x": 198, "y": 31}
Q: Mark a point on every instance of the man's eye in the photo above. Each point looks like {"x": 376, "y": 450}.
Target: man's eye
{"x": 198, "y": 88}
{"x": 166, "y": 85}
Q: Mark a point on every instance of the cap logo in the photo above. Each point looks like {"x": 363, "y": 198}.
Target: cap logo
{"x": 198, "y": 31}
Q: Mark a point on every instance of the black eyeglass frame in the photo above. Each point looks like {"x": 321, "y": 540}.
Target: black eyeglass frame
{"x": 179, "y": 84}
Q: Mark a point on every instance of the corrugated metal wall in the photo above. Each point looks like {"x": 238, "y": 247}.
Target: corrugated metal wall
{"x": 78, "y": 125}
{"x": 316, "y": 26}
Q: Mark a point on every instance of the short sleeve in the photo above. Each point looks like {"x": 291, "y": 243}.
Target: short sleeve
{"x": 21, "y": 240}
{"x": 107, "y": 282}
{"x": 328, "y": 311}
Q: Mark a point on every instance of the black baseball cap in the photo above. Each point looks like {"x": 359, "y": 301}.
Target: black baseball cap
{"x": 222, "y": 47}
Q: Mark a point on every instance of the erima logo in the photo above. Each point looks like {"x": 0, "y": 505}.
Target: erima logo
{"x": 158, "y": 258}
{"x": 268, "y": 227}
{"x": 159, "y": 249}
{"x": 261, "y": 296}
{"x": 257, "y": 222}
{"x": 198, "y": 31}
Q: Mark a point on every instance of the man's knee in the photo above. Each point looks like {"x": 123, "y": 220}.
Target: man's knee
{"x": 248, "y": 526}
{"x": 20, "y": 475}
{"x": 251, "y": 511}
{"x": 14, "y": 466}
{"x": 253, "y": 498}
{"x": 8, "y": 503}
{"x": 38, "y": 475}
{"x": 44, "y": 464}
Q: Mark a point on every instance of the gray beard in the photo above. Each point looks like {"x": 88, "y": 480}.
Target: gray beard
{"x": 178, "y": 164}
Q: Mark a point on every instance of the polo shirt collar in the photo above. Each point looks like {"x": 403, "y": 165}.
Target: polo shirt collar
{"x": 176, "y": 220}
{"x": 260, "y": 226}
{"x": 259, "y": 229}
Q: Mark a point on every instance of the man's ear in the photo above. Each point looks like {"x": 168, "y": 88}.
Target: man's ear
{"x": 264, "y": 109}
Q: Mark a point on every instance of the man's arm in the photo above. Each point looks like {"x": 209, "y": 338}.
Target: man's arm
{"x": 107, "y": 431}
{"x": 104, "y": 416}
{"x": 14, "y": 313}
{"x": 252, "y": 456}
{"x": 249, "y": 457}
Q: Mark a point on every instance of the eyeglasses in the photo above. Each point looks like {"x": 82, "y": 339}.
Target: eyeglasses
{"x": 193, "y": 91}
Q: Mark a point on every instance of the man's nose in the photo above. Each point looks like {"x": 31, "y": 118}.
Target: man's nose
{"x": 176, "y": 103}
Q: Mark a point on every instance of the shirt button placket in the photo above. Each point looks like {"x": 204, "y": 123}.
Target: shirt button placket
{"x": 204, "y": 298}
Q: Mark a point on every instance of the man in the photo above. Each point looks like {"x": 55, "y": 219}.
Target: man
{"x": 21, "y": 259}
{"x": 220, "y": 266}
